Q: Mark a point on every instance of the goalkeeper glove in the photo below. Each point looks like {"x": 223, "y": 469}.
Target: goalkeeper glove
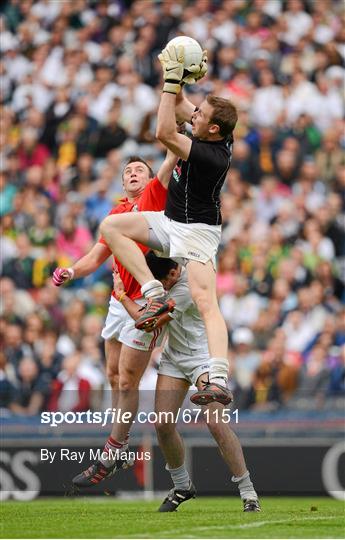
{"x": 172, "y": 60}
{"x": 199, "y": 72}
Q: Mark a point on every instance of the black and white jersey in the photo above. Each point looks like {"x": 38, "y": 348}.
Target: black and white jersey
{"x": 194, "y": 189}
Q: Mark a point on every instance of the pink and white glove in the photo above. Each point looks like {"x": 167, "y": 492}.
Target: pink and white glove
{"x": 61, "y": 275}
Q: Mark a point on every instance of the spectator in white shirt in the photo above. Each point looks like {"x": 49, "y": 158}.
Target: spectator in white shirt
{"x": 242, "y": 307}
{"x": 268, "y": 102}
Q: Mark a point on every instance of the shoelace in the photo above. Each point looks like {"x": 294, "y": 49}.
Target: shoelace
{"x": 251, "y": 502}
{"x": 152, "y": 304}
{"x": 100, "y": 469}
{"x": 170, "y": 495}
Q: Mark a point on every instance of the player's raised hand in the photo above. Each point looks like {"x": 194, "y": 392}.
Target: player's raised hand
{"x": 119, "y": 288}
{"x": 61, "y": 275}
{"x": 172, "y": 61}
{"x": 203, "y": 67}
{"x": 199, "y": 71}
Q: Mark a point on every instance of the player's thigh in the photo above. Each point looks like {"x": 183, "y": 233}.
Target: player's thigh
{"x": 112, "y": 349}
{"x": 132, "y": 224}
{"x": 170, "y": 394}
{"x": 132, "y": 364}
{"x": 202, "y": 281}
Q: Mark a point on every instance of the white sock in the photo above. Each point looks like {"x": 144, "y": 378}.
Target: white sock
{"x": 112, "y": 451}
{"x": 218, "y": 373}
{"x": 220, "y": 380}
{"x": 179, "y": 476}
{"x": 152, "y": 289}
{"x": 245, "y": 486}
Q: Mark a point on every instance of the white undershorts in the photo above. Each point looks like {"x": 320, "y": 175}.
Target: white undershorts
{"x": 173, "y": 363}
{"x": 181, "y": 241}
{"x": 119, "y": 325}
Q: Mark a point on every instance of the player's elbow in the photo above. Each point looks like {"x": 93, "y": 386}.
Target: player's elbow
{"x": 160, "y": 135}
{"x": 163, "y": 134}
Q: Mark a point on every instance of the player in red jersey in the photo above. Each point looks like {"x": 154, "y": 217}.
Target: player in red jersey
{"x": 127, "y": 349}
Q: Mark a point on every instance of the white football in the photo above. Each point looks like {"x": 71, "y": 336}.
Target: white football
{"x": 192, "y": 53}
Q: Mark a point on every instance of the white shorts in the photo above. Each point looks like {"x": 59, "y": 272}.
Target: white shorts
{"x": 119, "y": 325}
{"x": 173, "y": 363}
{"x": 181, "y": 241}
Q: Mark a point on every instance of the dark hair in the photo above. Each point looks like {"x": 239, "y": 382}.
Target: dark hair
{"x": 132, "y": 159}
{"x": 224, "y": 115}
{"x": 159, "y": 266}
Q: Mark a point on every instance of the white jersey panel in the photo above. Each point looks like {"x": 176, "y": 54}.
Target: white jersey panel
{"x": 187, "y": 332}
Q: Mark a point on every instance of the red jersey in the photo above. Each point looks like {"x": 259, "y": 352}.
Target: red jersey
{"x": 153, "y": 198}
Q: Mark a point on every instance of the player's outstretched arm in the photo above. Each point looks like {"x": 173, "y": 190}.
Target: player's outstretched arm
{"x": 171, "y": 59}
{"x": 166, "y": 169}
{"x": 88, "y": 264}
{"x": 166, "y": 131}
{"x": 132, "y": 308}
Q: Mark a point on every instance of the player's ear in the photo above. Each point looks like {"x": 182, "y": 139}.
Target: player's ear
{"x": 214, "y": 129}
{"x": 173, "y": 274}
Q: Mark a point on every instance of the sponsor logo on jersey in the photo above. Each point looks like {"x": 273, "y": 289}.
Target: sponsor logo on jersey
{"x": 137, "y": 342}
{"x": 205, "y": 366}
{"x": 177, "y": 173}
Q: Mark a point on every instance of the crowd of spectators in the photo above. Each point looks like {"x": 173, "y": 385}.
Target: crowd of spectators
{"x": 80, "y": 85}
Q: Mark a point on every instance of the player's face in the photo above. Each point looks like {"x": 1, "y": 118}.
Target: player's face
{"x": 172, "y": 278}
{"x": 135, "y": 178}
{"x": 201, "y": 125}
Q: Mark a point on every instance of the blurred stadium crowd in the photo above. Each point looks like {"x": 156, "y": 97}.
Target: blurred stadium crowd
{"x": 80, "y": 85}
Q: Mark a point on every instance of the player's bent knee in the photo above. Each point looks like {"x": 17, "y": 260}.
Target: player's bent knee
{"x": 216, "y": 428}
{"x": 109, "y": 225}
{"x": 104, "y": 226}
{"x": 113, "y": 379}
{"x": 128, "y": 383}
{"x": 164, "y": 429}
{"x": 203, "y": 302}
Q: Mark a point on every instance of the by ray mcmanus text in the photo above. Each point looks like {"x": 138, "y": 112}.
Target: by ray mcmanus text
{"x": 65, "y": 454}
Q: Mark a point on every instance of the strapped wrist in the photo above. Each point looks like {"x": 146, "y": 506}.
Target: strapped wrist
{"x": 171, "y": 87}
{"x": 71, "y": 273}
{"x": 121, "y": 297}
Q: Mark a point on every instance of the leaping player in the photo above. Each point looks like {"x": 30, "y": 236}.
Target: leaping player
{"x": 190, "y": 228}
{"x": 185, "y": 361}
{"x": 127, "y": 349}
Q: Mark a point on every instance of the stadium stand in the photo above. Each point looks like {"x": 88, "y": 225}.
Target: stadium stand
{"x": 79, "y": 93}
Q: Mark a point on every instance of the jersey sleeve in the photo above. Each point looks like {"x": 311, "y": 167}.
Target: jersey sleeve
{"x": 154, "y": 197}
{"x": 181, "y": 294}
{"x": 102, "y": 241}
